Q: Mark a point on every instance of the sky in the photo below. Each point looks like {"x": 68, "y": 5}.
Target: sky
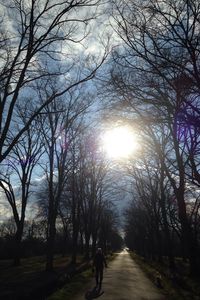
{"x": 99, "y": 32}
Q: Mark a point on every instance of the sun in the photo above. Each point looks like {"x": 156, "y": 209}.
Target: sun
{"x": 120, "y": 142}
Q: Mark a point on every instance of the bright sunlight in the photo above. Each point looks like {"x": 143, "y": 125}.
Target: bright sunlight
{"x": 120, "y": 142}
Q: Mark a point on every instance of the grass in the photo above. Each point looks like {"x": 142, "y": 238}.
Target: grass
{"x": 77, "y": 284}
{"x": 28, "y": 267}
{"x": 70, "y": 289}
{"x": 188, "y": 288}
{"x": 30, "y": 277}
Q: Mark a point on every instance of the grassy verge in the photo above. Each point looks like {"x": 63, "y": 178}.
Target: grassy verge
{"x": 30, "y": 279}
{"x": 188, "y": 288}
{"x": 29, "y": 267}
{"x": 70, "y": 289}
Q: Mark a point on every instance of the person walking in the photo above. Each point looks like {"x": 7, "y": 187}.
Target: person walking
{"x": 98, "y": 263}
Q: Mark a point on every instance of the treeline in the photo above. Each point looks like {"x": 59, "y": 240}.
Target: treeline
{"x": 155, "y": 77}
{"x": 34, "y": 239}
{"x": 70, "y": 203}
{"x": 46, "y": 143}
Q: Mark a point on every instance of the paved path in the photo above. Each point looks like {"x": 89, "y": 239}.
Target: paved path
{"x": 124, "y": 280}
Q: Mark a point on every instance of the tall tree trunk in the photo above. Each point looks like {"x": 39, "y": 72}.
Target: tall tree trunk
{"x": 17, "y": 248}
{"x": 74, "y": 242}
{"x": 50, "y": 245}
{"x": 158, "y": 242}
{"x": 81, "y": 242}
{"x": 94, "y": 243}
{"x": 189, "y": 242}
{"x": 87, "y": 246}
{"x": 165, "y": 223}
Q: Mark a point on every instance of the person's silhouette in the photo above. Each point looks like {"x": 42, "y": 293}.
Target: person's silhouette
{"x": 98, "y": 263}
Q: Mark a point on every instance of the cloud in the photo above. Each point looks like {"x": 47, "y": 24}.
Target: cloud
{"x": 5, "y": 209}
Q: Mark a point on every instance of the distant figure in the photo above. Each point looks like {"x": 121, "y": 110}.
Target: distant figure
{"x": 158, "y": 280}
{"x": 98, "y": 263}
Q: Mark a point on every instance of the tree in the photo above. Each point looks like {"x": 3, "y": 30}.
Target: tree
{"x": 93, "y": 185}
{"x": 60, "y": 125}
{"x": 37, "y": 44}
{"x": 157, "y": 77}
{"x": 19, "y": 168}
{"x": 108, "y": 227}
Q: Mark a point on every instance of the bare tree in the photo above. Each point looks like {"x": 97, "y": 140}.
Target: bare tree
{"x": 40, "y": 40}
{"x": 157, "y": 77}
{"x": 93, "y": 172}
{"x": 60, "y": 125}
{"x": 16, "y": 179}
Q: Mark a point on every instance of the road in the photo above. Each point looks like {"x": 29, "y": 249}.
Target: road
{"x": 124, "y": 280}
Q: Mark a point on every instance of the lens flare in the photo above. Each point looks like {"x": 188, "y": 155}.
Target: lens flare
{"x": 120, "y": 142}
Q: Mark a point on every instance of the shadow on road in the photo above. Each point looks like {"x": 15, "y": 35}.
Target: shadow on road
{"x": 93, "y": 293}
